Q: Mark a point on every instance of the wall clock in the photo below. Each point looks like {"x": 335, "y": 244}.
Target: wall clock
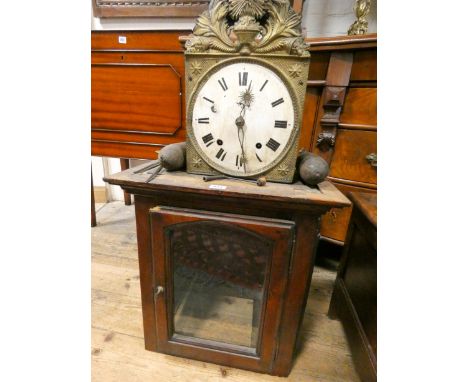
{"x": 246, "y": 76}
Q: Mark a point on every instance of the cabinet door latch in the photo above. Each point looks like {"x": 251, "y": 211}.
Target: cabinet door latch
{"x": 158, "y": 290}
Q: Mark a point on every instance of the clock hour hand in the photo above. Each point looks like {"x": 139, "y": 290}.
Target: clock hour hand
{"x": 246, "y": 98}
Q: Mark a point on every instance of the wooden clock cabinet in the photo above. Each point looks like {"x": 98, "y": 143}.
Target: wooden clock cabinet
{"x": 225, "y": 268}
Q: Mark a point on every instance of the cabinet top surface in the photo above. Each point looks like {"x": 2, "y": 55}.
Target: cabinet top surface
{"x": 325, "y": 194}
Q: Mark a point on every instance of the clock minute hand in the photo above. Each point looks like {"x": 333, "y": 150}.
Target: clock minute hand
{"x": 246, "y": 100}
{"x": 240, "y": 122}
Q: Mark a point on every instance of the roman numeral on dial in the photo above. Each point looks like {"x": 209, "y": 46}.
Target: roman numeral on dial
{"x": 277, "y": 102}
{"x": 204, "y": 120}
{"x": 222, "y": 83}
{"x": 264, "y": 84}
{"x": 243, "y": 78}
{"x": 207, "y": 99}
{"x": 281, "y": 124}
{"x": 221, "y": 155}
{"x": 208, "y": 139}
{"x": 239, "y": 161}
{"x": 272, "y": 144}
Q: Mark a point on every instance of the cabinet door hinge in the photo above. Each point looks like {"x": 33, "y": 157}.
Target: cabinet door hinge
{"x": 275, "y": 356}
{"x": 291, "y": 258}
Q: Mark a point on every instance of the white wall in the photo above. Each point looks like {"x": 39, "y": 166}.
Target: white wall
{"x": 333, "y": 17}
{"x": 146, "y": 23}
{"x": 98, "y": 171}
{"x": 320, "y": 18}
{"x": 103, "y": 167}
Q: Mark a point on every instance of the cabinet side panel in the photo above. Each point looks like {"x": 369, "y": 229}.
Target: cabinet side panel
{"x": 142, "y": 207}
{"x": 299, "y": 278}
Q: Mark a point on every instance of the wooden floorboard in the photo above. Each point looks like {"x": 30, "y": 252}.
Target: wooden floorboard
{"x": 118, "y": 352}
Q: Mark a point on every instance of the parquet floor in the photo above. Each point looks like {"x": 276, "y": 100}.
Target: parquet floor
{"x": 118, "y": 353}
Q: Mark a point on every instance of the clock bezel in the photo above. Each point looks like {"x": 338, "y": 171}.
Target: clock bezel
{"x": 193, "y": 97}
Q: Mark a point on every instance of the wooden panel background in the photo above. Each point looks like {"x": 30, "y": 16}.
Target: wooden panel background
{"x": 142, "y": 97}
{"x": 137, "y": 100}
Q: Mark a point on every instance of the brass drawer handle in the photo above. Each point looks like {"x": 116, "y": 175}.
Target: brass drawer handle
{"x": 325, "y": 141}
{"x": 372, "y": 159}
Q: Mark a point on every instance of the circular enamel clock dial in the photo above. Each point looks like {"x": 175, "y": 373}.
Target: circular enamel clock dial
{"x": 242, "y": 119}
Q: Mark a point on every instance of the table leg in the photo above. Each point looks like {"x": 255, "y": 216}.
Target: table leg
{"x": 93, "y": 207}
{"x": 125, "y": 165}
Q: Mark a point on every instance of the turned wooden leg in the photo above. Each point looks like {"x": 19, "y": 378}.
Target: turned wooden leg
{"x": 93, "y": 208}
{"x": 125, "y": 165}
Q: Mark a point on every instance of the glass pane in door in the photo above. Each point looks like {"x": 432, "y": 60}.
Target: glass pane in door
{"x": 219, "y": 274}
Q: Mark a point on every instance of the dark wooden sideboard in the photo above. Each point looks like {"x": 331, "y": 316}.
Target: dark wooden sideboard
{"x": 138, "y": 105}
{"x": 354, "y": 299}
{"x": 340, "y": 121}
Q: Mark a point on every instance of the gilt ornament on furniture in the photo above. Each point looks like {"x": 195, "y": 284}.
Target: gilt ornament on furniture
{"x": 361, "y": 9}
{"x": 245, "y": 89}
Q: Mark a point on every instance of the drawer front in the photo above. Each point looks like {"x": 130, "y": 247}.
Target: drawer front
{"x": 138, "y": 40}
{"x": 364, "y": 65}
{"x": 334, "y": 224}
{"x": 136, "y": 98}
{"x": 360, "y": 107}
{"x": 351, "y": 159}
{"x": 176, "y": 60}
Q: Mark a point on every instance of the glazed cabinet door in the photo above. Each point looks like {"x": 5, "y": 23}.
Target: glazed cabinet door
{"x": 219, "y": 284}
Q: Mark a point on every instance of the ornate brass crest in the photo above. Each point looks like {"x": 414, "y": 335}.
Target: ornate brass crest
{"x": 248, "y": 26}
